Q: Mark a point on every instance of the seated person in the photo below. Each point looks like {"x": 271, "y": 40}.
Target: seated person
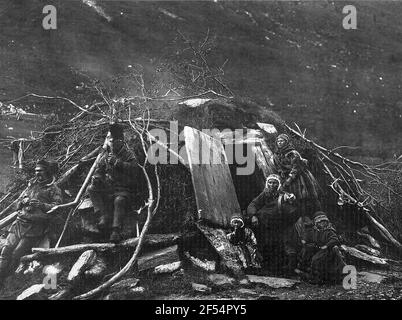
{"x": 113, "y": 183}
{"x": 271, "y": 203}
{"x": 245, "y": 243}
{"x": 32, "y": 221}
{"x": 320, "y": 256}
{"x": 272, "y": 213}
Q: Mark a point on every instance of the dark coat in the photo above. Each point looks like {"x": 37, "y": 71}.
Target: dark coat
{"x": 275, "y": 216}
{"x": 245, "y": 244}
{"x": 121, "y": 176}
{"x": 297, "y": 178}
{"x": 33, "y": 222}
{"x": 270, "y": 208}
{"x": 324, "y": 264}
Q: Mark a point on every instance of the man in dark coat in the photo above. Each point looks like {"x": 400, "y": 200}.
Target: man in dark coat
{"x": 272, "y": 213}
{"x": 320, "y": 256}
{"x": 113, "y": 183}
{"x": 32, "y": 221}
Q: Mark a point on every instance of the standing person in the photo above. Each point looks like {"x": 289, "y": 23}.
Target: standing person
{"x": 32, "y": 221}
{"x": 272, "y": 212}
{"x": 297, "y": 179}
{"x": 245, "y": 243}
{"x": 113, "y": 183}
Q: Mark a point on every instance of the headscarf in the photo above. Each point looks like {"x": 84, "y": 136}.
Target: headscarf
{"x": 320, "y": 216}
{"x": 287, "y": 146}
{"x": 273, "y": 177}
{"x": 237, "y": 218}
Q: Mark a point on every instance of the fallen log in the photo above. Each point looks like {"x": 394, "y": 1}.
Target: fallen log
{"x": 203, "y": 264}
{"x": 168, "y": 268}
{"x": 34, "y": 292}
{"x": 40, "y": 253}
{"x": 359, "y": 255}
{"x": 368, "y": 250}
{"x": 150, "y": 240}
{"x": 157, "y": 258}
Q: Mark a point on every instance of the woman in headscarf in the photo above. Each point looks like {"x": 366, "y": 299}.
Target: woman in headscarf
{"x": 296, "y": 177}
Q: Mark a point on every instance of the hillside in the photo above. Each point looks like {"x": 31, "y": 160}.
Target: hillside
{"x": 293, "y": 57}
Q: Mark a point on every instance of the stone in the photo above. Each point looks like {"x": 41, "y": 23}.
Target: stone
{"x": 247, "y": 291}
{"x": 33, "y": 293}
{"x": 201, "y": 287}
{"x": 371, "y": 277}
{"x": 273, "y": 282}
{"x": 32, "y": 267}
{"x": 221, "y": 279}
{"x": 168, "y": 268}
{"x": 126, "y": 284}
{"x": 127, "y": 293}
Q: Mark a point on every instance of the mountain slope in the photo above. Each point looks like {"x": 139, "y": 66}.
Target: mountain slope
{"x": 293, "y": 57}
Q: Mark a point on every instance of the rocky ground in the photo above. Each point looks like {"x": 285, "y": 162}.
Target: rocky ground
{"x": 374, "y": 285}
{"x": 191, "y": 283}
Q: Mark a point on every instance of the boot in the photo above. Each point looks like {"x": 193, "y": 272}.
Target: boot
{"x": 103, "y": 223}
{"x": 115, "y": 236}
{"x": 291, "y": 265}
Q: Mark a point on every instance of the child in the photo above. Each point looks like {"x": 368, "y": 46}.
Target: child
{"x": 245, "y": 243}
